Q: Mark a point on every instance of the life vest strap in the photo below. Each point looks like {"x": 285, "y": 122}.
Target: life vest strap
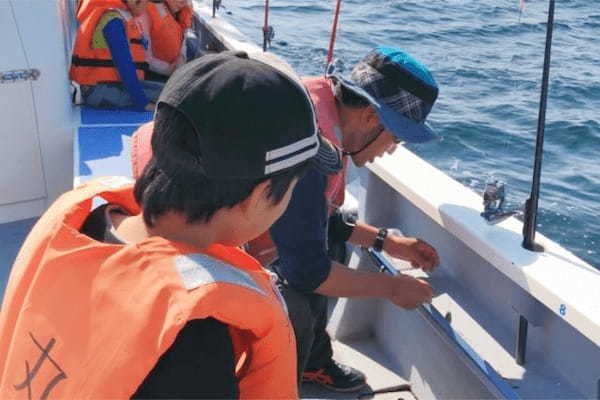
{"x": 95, "y": 62}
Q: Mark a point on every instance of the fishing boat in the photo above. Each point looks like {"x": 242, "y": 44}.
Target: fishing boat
{"x": 507, "y": 322}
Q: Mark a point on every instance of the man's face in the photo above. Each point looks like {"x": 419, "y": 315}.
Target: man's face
{"x": 137, "y": 7}
{"x": 385, "y": 142}
{"x": 370, "y": 132}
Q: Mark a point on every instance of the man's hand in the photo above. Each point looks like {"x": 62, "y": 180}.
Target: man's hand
{"x": 408, "y": 292}
{"x": 419, "y": 253}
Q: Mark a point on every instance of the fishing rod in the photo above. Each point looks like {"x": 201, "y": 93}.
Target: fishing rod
{"x": 333, "y": 32}
{"x": 531, "y": 205}
{"x": 216, "y": 4}
{"x": 268, "y": 32}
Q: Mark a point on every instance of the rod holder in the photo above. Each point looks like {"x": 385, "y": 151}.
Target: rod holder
{"x": 521, "y": 345}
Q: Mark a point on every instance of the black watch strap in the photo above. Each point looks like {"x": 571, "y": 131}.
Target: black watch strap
{"x": 381, "y": 235}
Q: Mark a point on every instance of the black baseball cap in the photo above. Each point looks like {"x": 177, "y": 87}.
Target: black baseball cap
{"x": 251, "y": 114}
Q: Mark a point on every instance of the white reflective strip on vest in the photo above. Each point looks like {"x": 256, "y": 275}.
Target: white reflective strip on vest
{"x": 199, "y": 269}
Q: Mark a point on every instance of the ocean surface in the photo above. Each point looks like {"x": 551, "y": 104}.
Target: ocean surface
{"x": 487, "y": 59}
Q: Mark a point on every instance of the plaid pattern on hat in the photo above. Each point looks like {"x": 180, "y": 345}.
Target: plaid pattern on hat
{"x": 401, "y": 90}
{"x": 399, "y": 100}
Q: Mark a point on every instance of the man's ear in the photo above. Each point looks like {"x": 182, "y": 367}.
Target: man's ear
{"x": 256, "y": 198}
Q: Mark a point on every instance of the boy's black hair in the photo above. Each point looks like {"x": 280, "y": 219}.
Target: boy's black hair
{"x": 348, "y": 97}
{"x": 174, "y": 180}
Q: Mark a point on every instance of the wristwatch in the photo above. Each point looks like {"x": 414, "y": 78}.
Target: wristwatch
{"x": 381, "y": 235}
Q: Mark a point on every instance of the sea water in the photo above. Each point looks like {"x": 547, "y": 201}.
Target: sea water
{"x": 487, "y": 58}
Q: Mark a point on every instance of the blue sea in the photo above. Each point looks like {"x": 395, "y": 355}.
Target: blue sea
{"x": 487, "y": 58}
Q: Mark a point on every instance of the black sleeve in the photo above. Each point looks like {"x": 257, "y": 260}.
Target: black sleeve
{"x": 94, "y": 225}
{"x": 340, "y": 227}
{"x": 200, "y": 364}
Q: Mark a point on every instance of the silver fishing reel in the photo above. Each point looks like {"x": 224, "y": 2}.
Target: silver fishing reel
{"x": 493, "y": 202}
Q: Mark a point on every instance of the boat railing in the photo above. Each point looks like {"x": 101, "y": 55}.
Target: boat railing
{"x": 480, "y": 367}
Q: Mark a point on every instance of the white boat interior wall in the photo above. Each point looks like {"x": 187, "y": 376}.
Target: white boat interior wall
{"x": 485, "y": 282}
{"x": 39, "y": 122}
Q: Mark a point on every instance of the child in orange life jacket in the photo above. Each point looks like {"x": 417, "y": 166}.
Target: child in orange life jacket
{"x": 109, "y": 60}
{"x": 148, "y": 296}
{"x": 173, "y": 36}
{"x": 186, "y": 18}
{"x": 174, "y": 30}
{"x": 166, "y": 45}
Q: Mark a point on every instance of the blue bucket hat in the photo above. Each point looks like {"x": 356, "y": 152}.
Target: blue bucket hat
{"x": 400, "y": 89}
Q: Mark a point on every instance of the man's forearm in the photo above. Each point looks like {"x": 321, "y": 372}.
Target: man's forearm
{"x": 364, "y": 235}
{"x": 403, "y": 290}
{"x": 345, "y": 282}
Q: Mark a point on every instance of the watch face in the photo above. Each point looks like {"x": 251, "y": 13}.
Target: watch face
{"x": 378, "y": 245}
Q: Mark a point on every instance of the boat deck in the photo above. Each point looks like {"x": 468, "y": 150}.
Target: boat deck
{"x": 12, "y": 235}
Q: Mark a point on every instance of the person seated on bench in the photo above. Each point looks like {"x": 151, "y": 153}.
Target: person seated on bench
{"x": 165, "y": 24}
{"x": 109, "y": 57}
{"x": 174, "y": 41}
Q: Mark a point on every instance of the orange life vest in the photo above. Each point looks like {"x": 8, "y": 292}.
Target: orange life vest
{"x": 90, "y": 65}
{"x": 185, "y": 16}
{"x": 167, "y": 32}
{"x": 85, "y": 319}
{"x": 263, "y": 248}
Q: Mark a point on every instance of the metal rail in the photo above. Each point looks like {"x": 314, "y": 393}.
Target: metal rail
{"x": 481, "y": 368}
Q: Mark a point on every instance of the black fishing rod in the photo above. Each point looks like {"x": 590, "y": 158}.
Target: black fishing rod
{"x": 531, "y": 206}
{"x": 216, "y": 4}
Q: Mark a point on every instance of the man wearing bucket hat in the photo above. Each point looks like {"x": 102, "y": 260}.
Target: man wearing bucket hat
{"x": 384, "y": 103}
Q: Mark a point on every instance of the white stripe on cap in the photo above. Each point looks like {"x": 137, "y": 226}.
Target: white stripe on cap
{"x": 290, "y": 148}
{"x": 290, "y": 162}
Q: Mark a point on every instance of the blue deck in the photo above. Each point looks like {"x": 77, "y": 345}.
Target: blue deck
{"x": 104, "y": 142}
{"x": 103, "y": 149}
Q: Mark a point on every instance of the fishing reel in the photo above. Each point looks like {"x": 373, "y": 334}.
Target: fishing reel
{"x": 268, "y": 35}
{"x": 493, "y": 202}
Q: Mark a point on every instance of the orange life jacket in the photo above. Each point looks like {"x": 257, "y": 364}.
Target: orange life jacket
{"x": 90, "y": 65}
{"x": 185, "y": 16}
{"x": 85, "y": 319}
{"x": 167, "y": 32}
{"x": 263, "y": 248}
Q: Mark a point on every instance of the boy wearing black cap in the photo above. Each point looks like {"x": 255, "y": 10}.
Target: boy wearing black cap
{"x": 149, "y": 296}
